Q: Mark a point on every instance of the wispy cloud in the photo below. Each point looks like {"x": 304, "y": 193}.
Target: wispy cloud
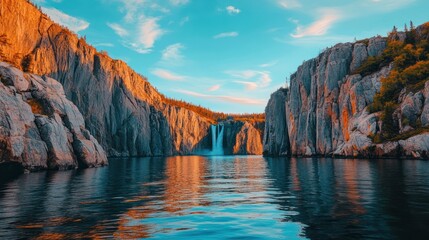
{"x": 269, "y": 64}
{"x": 232, "y": 10}
{"x": 289, "y": 4}
{"x": 167, "y": 75}
{"x": 260, "y": 78}
{"x": 224, "y": 98}
{"x": 72, "y": 23}
{"x": 214, "y": 88}
{"x": 141, "y": 28}
{"x": 250, "y": 86}
{"x": 319, "y": 27}
{"x": 122, "y": 32}
{"x": 226, "y": 34}
{"x": 149, "y": 32}
{"x": 179, "y": 2}
{"x": 172, "y": 53}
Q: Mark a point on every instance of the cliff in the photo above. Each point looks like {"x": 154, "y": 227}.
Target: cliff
{"x": 120, "y": 108}
{"x": 242, "y": 138}
{"x": 327, "y": 107}
{"x": 276, "y": 137}
{"x": 40, "y": 128}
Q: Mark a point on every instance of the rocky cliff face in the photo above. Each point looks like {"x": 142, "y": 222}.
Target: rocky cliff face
{"x": 276, "y": 137}
{"x": 242, "y": 138}
{"x": 40, "y": 128}
{"x": 120, "y": 108}
{"x": 326, "y": 108}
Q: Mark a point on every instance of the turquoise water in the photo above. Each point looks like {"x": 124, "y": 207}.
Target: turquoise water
{"x": 247, "y": 197}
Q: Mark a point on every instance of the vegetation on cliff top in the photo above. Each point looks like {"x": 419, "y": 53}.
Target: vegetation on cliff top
{"x": 214, "y": 116}
{"x": 410, "y": 58}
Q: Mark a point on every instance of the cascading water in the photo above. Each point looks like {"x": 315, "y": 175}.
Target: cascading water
{"x": 217, "y": 139}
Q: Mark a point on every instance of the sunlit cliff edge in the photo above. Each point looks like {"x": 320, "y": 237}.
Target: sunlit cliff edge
{"x": 364, "y": 99}
{"x": 125, "y": 114}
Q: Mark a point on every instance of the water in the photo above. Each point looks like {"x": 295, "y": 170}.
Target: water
{"x": 217, "y": 140}
{"x": 222, "y": 198}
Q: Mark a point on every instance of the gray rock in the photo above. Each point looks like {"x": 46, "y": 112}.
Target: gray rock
{"x": 43, "y": 129}
{"x": 276, "y": 137}
{"x": 120, "y": 108}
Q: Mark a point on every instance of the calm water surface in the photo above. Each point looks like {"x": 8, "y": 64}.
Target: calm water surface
{"x": 222, "y": 198}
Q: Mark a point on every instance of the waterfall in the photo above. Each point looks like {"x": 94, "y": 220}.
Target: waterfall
{"x": 217, "y": 139}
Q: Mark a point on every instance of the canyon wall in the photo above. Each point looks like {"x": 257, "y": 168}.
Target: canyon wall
{"x": 242, "y": 138}
{"x": 120, "y": 108}
{"x": 40, "y": 128}
{"x": 326, "y": 109}
{"x": 276, "y": 137}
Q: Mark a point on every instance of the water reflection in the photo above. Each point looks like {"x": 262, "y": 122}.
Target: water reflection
{"x": 185, "y": 183}
{"x": 356, "y": 199}
{"x": 221, "y": 197}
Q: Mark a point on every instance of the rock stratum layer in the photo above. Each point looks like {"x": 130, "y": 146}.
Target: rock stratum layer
{"x": 325, "y": 111}
{"x": 40, "y": 128}
{"x": 120, "y": 108}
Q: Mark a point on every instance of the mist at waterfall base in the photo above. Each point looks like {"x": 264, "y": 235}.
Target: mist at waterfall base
{"x": 216, "y": 132}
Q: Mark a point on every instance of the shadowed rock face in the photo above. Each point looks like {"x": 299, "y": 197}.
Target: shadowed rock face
{"x": 276, "y": 137}
{"x": 40, "y": 128}
{"x": 326, "y": 109}
{"x": 242, "y": 138}
{"x": 120, "y": 108}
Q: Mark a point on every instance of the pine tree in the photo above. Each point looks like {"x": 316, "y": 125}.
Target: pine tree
{"x": 411, "y": 35}
{"x": 393, "y": 35}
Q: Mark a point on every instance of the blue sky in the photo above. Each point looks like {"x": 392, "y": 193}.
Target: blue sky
{"x": 227, "y": 55}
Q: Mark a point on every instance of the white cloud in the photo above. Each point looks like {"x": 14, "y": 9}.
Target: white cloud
{"x": 172, "y": 53}
{"x": 157, "y": 7}
{"x": 260, "y": 78}
{"x": 320, "y": 27}
{"x": 149, "y": 32}
{"x": 226, "y": 34}
{"x": 224, "y": 98}
{"x": 269, "y": 64}
{"x": 72, "y": 23}
{"x": 122, "y": 32}
{"x": 179, "y": 2}
{"x": 289, "y": 4}
{"x": 232, "y": 10}
{"x": 245, "y": 74}
{"x": 250, "y": 86}
{"x": 214, "y": 88}
{"x": 131, "y": 7}
{"x": 167, "y": 75}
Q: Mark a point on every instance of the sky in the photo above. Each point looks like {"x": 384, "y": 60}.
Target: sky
{"x": 226, "y": 55}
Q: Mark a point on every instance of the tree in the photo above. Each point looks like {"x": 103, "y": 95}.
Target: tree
{"x": 393, "y": 35}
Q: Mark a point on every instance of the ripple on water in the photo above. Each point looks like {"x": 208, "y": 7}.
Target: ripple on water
{"x": 221, "y": 198}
